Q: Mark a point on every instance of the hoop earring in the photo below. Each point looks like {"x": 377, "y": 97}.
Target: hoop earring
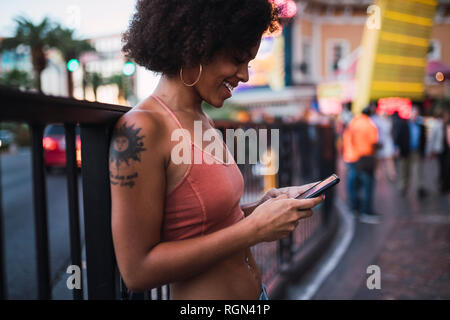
{"x": 195, "y": 82}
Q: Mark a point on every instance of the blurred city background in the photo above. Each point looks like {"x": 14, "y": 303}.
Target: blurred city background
{"x": 331, "y": 63}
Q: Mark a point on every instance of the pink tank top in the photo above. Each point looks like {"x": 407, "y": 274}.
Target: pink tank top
{"x": 206, "y": 199}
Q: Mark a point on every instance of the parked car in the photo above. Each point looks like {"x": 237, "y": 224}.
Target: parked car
{"x": 54, "y": 144}
{"x": 6, "y": 139}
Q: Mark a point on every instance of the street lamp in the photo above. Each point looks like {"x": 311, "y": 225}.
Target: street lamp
{"x": 128, "y": 69}
{"x": 73, "y": 65}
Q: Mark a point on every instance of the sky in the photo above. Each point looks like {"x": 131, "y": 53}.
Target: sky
{"x": 90, "y": 18}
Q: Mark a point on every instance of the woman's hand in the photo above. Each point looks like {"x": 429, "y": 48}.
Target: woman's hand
{"x": 291, "y": 192}
{"x": 277, "y": 217}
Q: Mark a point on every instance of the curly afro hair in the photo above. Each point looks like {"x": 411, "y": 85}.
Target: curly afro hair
{"x": 166, "y": 35}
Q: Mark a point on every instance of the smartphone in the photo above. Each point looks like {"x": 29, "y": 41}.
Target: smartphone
{"x": 320, "y": 187}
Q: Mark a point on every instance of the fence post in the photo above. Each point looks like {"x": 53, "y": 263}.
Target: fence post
{"x": 72, "y": 192}
{"x": 3, "y": 294}
{"x": 101, "y": 265}
{"x": 285, "y": 180}
{"x": 327, "y": 163}
{"x": 40, "y": 212}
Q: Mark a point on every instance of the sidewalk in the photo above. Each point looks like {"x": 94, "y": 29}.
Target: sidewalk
{"x": 411, "y": 246}
{"x": 415, "y": 258}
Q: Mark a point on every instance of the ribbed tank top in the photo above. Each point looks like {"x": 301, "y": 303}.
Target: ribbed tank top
{"x": 206, "y": 199}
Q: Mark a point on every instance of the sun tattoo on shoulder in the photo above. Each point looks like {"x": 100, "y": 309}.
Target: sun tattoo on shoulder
{"x": 126, "y": 146}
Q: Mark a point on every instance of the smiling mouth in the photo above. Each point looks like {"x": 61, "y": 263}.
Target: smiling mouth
{"x": 228, "y": 86}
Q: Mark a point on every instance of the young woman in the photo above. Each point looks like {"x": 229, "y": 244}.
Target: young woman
{"x": 182, "y": 223}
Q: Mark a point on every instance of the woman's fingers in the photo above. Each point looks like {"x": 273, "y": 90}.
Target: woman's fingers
{"x": 305, "y": 187}
{"x": 304, "y": 204}
{"x": 295, "y": 191}
{"x": 301, "y": 214}
{"x": 279, "y": 197}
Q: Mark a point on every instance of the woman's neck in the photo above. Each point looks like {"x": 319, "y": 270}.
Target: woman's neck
{"x": 178, "y": 96}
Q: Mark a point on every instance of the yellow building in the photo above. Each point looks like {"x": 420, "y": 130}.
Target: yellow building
{"x": 327, "y": 37}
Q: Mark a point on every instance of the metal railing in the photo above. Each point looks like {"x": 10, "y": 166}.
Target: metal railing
{"x": 96, "y": 121}
{"x": 307, "y": 153}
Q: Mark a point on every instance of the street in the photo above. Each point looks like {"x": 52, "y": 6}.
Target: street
{"x": 19, "y": 233}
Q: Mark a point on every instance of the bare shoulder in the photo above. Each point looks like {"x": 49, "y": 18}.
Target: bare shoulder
{"x": 137, "y": 138}
{"x": 145, "y": 118}
{"x": 146, "y": 114}
{"x": 136, "y": 126}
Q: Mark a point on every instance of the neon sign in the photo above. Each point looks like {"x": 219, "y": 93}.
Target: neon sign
{"x": 288, "y": 8}
{"x": 389, "y": 105}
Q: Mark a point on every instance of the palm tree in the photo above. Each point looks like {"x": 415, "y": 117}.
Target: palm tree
{"x": 16, "y": 78}
{"x": 70, "y": 48}
{"x": 124, "y": 85}
{"x": 34, "y": 36}
{"x": 95, "y": 80}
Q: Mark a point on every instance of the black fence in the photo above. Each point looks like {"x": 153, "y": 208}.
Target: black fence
{"x": 306, "y": 153}
{"x": 96, "y": 121}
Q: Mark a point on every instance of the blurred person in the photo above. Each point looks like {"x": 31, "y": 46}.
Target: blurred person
{"x": 362, "y": 139}
{"x": 410, "y": 137}
{"x": 346, "y": 115}
{"x": 350, "y": 158}
{"x": 436, "y": 143}
{"x": 402, "y": 143}
{"x": 342, "y": 120}
{"x": 446, "y": 158}
{"x": 386, "y": 151}
{"x": 439, "y": 147}
{"x": 181, "y": 224}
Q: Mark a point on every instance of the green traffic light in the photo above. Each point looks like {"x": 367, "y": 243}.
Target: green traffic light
{"x": 128, "y": 69}
{"x": 73, "y": 65}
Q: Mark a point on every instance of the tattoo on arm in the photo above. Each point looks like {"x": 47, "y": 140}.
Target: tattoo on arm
{"x": 126, "y": 146}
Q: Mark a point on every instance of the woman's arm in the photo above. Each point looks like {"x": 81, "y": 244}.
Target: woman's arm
{"x": 137, "y": 175}
{"x": 138, "y": 193}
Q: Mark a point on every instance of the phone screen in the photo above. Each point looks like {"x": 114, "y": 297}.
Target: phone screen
{"x": 320, "y": 187}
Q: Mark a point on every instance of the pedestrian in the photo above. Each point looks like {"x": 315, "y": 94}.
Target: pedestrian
{"x": 350, "y": 158}
{"x": 439, "y": 147}
{"x": 182, "y": 223}
{"x": 362, "y": 139}
{"x": 410, "y": 137}
{"x": 386, "y": 152}
{"x": 445, "y": 187}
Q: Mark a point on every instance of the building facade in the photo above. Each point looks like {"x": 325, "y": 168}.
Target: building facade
{"x": 327, "y": 36}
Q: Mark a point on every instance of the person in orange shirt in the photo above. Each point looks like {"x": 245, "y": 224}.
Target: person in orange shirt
{"x": 359, "y": 141}
{"x": 350, "y": 158}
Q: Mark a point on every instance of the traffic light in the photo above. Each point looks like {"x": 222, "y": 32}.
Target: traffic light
{"x": 73, "y": 65}
{"x": 128, "y": 68}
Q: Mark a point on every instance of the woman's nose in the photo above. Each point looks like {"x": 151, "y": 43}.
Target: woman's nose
{"x": 243, "y": 73}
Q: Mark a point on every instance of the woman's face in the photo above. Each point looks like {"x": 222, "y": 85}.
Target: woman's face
{"x": 223, "y": 74}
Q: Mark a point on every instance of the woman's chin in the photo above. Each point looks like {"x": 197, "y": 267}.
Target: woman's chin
{"x": 216, "y": 103}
